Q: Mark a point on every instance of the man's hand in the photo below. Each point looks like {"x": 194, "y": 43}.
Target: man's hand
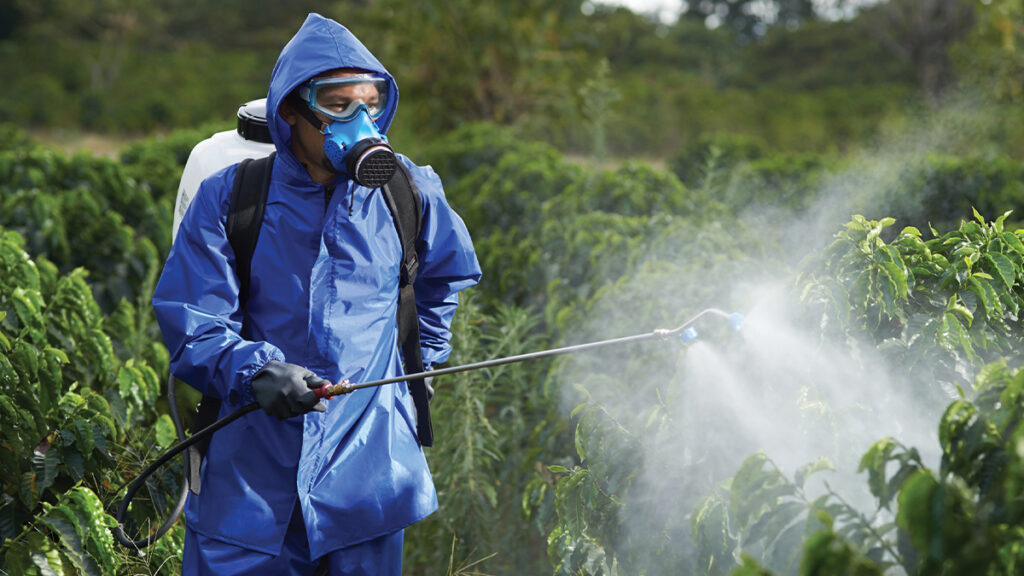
{"x": 285, "y": 390}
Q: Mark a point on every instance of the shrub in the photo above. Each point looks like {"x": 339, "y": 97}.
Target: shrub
{"x": 714, "y": 152}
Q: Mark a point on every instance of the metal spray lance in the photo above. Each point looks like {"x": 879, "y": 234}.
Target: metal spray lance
{"x": 687, "y": 333}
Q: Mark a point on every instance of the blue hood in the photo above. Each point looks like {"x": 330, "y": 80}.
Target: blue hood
{"x": 320, "y": 45}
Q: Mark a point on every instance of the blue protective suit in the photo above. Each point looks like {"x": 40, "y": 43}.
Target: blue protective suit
{"x": 323, "y": 295}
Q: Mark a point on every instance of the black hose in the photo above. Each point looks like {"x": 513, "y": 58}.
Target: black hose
{"x": 183, "y": 445}
{"x": 345, "y": 388}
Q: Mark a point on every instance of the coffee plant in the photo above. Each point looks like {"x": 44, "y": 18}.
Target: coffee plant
{"x": 75, "y": 413}
{"x": 639, "y": 478}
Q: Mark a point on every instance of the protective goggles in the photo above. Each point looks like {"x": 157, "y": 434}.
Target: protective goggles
{"x": 344, "y": 97}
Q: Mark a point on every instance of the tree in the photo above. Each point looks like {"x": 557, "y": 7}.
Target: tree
{"x": 462, "y": 60}
{"x": 921, "y": 33}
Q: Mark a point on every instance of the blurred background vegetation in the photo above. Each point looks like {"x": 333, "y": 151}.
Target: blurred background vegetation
{"x": 797, "y": 75}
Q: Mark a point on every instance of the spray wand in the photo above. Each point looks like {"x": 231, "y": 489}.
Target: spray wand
{"x": 686, "y": 332}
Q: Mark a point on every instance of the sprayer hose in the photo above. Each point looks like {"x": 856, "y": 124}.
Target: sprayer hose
{"x": 139, "y": 482}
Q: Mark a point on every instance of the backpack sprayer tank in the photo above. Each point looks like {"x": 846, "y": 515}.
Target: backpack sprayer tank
{"x": 250, "y": 140}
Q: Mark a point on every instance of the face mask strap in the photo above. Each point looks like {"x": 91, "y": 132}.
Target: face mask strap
{"x": 303, "y": 109}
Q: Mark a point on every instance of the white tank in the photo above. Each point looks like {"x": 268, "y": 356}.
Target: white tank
{"x": 250, "y": 140}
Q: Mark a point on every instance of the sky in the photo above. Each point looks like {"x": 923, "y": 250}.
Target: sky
{"x": 668, "y": 10}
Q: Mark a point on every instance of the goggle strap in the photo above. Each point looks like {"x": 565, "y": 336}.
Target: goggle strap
{"x": 303, "y": 109}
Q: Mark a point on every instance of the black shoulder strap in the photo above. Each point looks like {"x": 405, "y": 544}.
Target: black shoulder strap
{"x": 245, "y": 216}
{"x": 406, "y": 205}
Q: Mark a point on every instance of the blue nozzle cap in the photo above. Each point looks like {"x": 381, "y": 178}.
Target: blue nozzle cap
{"x": 736, "y": 321}
{"x": 688, "y": 335}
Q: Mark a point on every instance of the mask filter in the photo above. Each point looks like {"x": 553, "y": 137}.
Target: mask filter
{"x": 358, "y": 149}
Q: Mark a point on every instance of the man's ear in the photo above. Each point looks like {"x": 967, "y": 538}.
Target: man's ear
{"x": 287, "y": 113}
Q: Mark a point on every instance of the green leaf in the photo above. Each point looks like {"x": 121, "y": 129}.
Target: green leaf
{"x": 935, "y": 515}
{"x": 1013, "y": 241}
{"x": 954, "y": 305}
{"x": 1004, "y": 268}
{"x": 804, "y": 472}
{"x": 98, "y": 539}
{"x": 165, "y": 433}
{"x": 578, "y": 441}
{"x": 44, "y": 556}
{"x": 70, "y": 540}
{"x": 999, "y": 223}
{"x": 83, "y": 436}
{"x": 977, "y": 216}
{"x": 771, "y": 524}
{"x": 756, "y": 487}
{"x": 875, "y": 462}
{"x": 28, "y": 305}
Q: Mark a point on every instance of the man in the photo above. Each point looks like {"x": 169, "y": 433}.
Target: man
{"x": 287, "y": 490}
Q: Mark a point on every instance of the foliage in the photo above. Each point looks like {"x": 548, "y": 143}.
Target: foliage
{"x": 468, "y": 148}
{"x": 921, "y": 33}
{"x": 73, "y": 409}
{"x": 597, "y": 96}
{"x": 589, "y": 495}
{"x": 819, "y": 55}
{"x": 942, "y": 190}
{"x": 572, "y": 253}
{"x": 71, "y": 536}
{"x": 939, "y": 307}
{"x": 994, "y": 49}
{"x": 125, "y": 66}
{"x": 80, "y": 211}
{"x": 697, "y": 163}
{"x": 156, "y": 164}
{"x": 495, "y": 427}
{"x": 960, "y": 519}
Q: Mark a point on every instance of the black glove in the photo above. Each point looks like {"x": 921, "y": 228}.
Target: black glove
{"x": 285, "y": 390}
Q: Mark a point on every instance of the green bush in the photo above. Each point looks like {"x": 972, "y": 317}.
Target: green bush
{"x": 942, "y": 307}
{"x": 785, "y": 181}
{"x": 506, "y": 193}
{"x": 712, "y": 153}
{"x": 634, "y": 189}
{"x": 960, "y": 519}
{"x": 84, "y": 211}
{"x": 75, "y": 412}
{"x": 156, "y": 164}
{"x": 944, "y": 190}
{"x": 467, "y": 148}
{"x": 494, "y": 427}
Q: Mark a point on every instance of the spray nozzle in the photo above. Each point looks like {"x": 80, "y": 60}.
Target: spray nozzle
{"x": 736, "y": 321}
{"x": 688, "y": 335}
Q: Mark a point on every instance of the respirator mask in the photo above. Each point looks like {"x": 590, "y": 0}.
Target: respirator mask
{"x": 353, "y": 143}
